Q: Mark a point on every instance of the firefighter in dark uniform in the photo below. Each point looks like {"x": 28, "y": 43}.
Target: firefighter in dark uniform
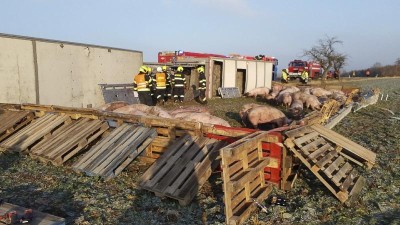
{"x": 179, "y": 82}
{"x": 161, "y": 85}
{"x": 153, "y": 85}
{"x": 168, "y": 88}
{"x": 142, "y": 83}
{"x": 202, "y": 83}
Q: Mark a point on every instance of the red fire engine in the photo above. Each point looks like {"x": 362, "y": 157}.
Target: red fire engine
{"x": 175, "y": 56}
{"x": 296, "y": 67}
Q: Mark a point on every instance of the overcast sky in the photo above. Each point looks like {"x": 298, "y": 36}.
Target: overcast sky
{"x": 369, "y": 29}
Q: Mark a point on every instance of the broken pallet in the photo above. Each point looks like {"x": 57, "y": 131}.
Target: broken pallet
{"x": 323, "y": 157}
{"x": 112, "y": 154}
{"x": 68, "y": 140}
{"x": 182, "y": 169}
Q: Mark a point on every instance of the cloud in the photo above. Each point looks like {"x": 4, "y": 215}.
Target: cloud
{"x": 239, "y": 7}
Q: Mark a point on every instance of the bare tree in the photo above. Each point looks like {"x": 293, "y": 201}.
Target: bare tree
{"x": 339, "y": 62}
{"x": 397, "y": 63}
{"x": 377, "y": 65}
{"x": 326, "y": 55}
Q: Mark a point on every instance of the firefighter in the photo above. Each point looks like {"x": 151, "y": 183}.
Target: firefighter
{"x": 161, "y": 85}
{"x": 153, "y": 85}
{"x": 202, "y": 83}
{"x": 304, "y": 77}
{"x": 142, "y": 83}
{"x": 179, "y": 82}
{"x": 168, "y": 89}
{"x": 285, "y": 76}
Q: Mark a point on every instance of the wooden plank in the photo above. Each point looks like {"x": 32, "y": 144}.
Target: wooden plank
{"x": 342, "y": 197}
{"x": 161, "y": 166}
{"x": 298, "y": 132}
{"x": 74, "y": 137}
{"x": 326, "y": 159}
{"x": 321, "y": 151}
{"x": 39, "y": 218}
{"x": 179, "y": 165}
{"x": 246, "y": 175}
{"x": 299, "y": 141}
{"x": 121, "y": 152}
{"x": 347, "y": 144}
{"x": 348, "y": 181}
{"x": 113, "y": 173}
{"x": 99, "y": 149}
{"x": 357, "y": 186}
{"x": 33, "y": 132}
{"x": 334, "y": 166}
{"x": 337, "y": 118}
{"x": 341, "y": 173}
{"x": 310, "y": 147}
{"x": 202, "y": 171}
{"x": 13, "y": 121}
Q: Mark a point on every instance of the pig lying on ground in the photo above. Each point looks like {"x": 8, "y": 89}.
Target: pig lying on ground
{"x": 284, "y": 99}
{"x": 141, "y": 109}
{"x": 244, "y": 110}
{"x": 313, "y": 103}
{"x": 158, "y": 111}
{"x": 135, "y": 107}
{"x": 260, "y": 91}
{"x": 276, "y": 88}
{"x": 130, "y": 110}
{"x": 205, "y": 118}
{"x": 112, "y": 106}
{"x": 320, "y": 92}
{"x": 296, "y": 108}
{"x": 189, "y": 109}
{"x": 265, "y": 114}
{"x": 310, "y": 101}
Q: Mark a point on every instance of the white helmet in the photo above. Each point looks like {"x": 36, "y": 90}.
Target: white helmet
{"x": 159, "y": 69}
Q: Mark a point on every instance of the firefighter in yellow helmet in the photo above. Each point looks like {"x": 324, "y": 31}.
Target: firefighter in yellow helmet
{"x": 304, "y": 77}
{"x": 285, "y": 75}
{"x": 168, "y": 89}
{"x": 161, "y": 85}
{"x": 142, "y": 83}
{"x": 179, "y": 83}
{"x": 202, "y": 83}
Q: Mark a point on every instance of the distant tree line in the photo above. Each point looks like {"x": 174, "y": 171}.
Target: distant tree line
{"x": 377, "y": 70}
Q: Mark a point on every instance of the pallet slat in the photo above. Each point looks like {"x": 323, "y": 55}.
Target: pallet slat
{"x": 182, "y": 168}
{"x": 112, "y": 154}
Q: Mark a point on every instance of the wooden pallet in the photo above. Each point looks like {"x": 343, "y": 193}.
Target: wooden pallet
{"x": 68, "y": 140}
{"x": 39, "y": 218}
{"x": 182, "y": 169}
{"x": 112, "y": 154}
{"x": 243, "y": 166}
{"x": 12, "y": 121}
{"x": 34, "y": 132}
{"x": 325, "y": 159}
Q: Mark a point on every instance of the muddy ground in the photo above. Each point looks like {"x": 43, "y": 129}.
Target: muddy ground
{"x": 89, "y": 200}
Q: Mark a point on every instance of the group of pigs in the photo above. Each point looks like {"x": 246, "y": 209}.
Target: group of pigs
{"x": 252, "y": 115}
{"x": 291, "y": 97}
{"x": 188, "y": 113}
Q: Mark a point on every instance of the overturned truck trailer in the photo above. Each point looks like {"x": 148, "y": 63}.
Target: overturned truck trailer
{"x": 42, "y": 71}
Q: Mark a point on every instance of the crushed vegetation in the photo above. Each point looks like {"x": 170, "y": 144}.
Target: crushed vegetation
{"x": 89, "y": 200}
